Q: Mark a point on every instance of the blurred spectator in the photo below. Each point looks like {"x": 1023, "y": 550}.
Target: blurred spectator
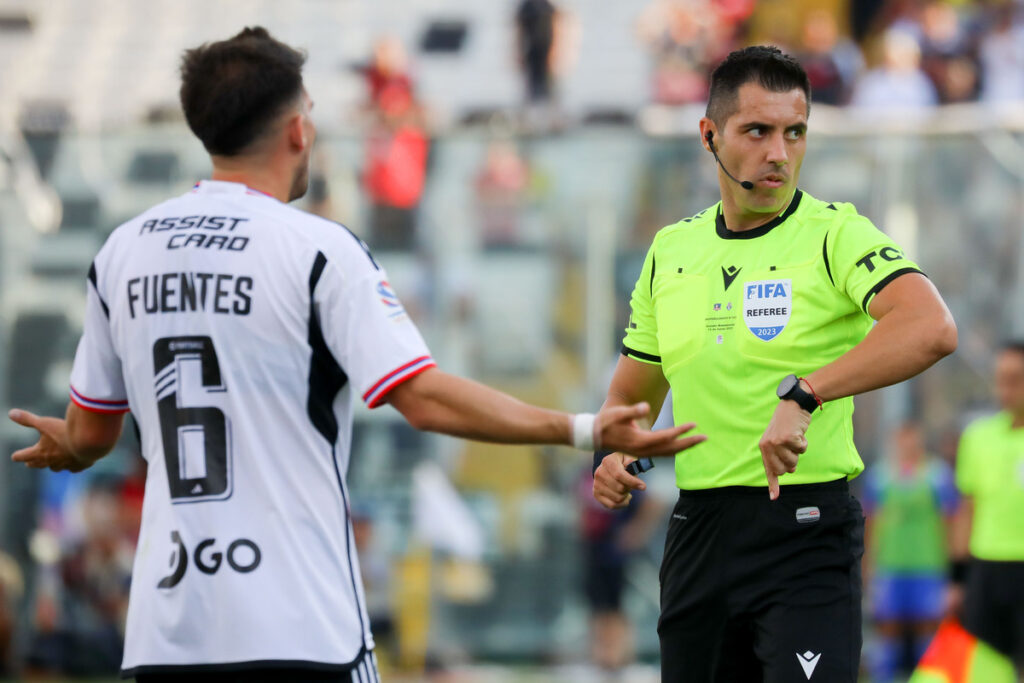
{"x": 1002, "y": 57}
{"x": 395, "y": 170}
{"x": 536, "y": 33}
{"x": 864, "y": 16}
{"x": 501, "y": 186}
{"x": 388, "y": 70}
{"x": 898, "y": 85}
{"x": 82, "y": 601}
{"x": 947, "y": 54}
{"x": 12, "y": 586}
{"x": 831, "y": 63}
{"x": 611, "y": 538}
{"x": 685, "y": 38}
{"x": 909, "y": 502}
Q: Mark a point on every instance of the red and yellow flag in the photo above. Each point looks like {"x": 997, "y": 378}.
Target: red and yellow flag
{"x": 955, "y": 656}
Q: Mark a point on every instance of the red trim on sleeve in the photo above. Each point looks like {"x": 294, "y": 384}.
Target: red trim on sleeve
{"x": 391, "y": 374}
{"x": 384, "y": 393}
{"x": 96, "y": 405}
{"x": 94, "y": 409}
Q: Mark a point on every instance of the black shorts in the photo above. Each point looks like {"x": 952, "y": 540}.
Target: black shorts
{"x": 249, "y": 676}
{"x": 754, "y": 590}
{"x": 363, "y": 670}
{"x": 994, "y": 606}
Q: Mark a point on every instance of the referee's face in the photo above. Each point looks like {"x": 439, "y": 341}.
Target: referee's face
{"x": 764, "y": 141}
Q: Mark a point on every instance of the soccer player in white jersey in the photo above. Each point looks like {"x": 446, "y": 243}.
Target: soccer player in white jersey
{"x": 238, "y": 330}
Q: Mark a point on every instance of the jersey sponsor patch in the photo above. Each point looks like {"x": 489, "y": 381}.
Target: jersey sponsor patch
{"x": 390, "y": 299}
{"x": 766, "y": 307}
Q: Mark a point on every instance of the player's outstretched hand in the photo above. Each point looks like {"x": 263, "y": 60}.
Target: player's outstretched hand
{"x": 616, "y": 430}
{"x": 51, "y": 450}
{"x": 783, "y": 443}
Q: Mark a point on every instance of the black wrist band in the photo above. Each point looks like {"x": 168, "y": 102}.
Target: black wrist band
{"x": 598, "y": 457}
{"x": 958, "y": 572}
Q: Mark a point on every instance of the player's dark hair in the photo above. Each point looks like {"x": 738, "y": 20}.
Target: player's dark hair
{"x": 233, "y": 89}
{"x": 768, "y": 66}
{"x": 1014, "y": 345}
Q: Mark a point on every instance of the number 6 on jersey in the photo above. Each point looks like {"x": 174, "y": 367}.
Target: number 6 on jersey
{"x": 196, "y": 436}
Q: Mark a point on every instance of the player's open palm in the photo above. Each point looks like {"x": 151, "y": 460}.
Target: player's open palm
{"x": 616, "y": 429}
{"x": 51, "y": 450}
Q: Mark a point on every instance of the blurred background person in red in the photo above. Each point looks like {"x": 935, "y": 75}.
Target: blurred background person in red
{"x": 395, "y": 170}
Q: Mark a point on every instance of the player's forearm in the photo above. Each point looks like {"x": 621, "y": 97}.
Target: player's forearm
{"x": 90, "y": 436}
{"x": 903, "y": 343}
{"x": 438, "y": 402}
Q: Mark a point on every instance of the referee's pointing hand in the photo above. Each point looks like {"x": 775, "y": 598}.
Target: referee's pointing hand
{"x": 783, "y": 443}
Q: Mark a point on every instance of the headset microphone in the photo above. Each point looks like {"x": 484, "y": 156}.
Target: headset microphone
{"x": 745, "y": 184}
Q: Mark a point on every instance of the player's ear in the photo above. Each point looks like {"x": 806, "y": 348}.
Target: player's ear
{"x": 298, "y": 136}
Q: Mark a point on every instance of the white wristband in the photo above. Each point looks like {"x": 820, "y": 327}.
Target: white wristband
{"x": 583, "y": 431}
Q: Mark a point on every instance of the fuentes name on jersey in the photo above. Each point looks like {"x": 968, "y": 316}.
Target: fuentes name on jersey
{"x": 189, "y": 292}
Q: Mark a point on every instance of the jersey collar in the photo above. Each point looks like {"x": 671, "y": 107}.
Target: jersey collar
{"x": 225, "y": 187}
{"x": 727, "y": 234}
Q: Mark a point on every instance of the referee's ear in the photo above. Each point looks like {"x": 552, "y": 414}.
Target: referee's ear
{"x": 598, "y": 457}
{"x": 708, "y": 133}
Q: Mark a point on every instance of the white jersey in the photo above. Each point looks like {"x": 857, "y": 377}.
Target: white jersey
{"x": 236, "y": 329}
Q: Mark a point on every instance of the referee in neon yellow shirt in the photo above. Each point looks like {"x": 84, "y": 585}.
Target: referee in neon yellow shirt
{"x": 989, "y": 527}
{"x": 758, "y": 313}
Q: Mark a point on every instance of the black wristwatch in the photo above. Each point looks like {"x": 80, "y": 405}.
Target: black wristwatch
{"x": 790, "y": 389}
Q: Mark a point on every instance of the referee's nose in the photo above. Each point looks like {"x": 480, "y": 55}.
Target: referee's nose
{"x": 778, "y": 153}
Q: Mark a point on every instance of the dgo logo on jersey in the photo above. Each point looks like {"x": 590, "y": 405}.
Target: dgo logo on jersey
{"x": 766, "y": 307}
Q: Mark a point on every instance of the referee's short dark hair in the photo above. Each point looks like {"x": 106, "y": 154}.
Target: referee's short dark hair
{"x": 232, "y": 90}
{"x": 771, "y": 68}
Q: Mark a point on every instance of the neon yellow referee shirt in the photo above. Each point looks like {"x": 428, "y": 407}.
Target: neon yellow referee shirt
{"x": 990, "y": 469}
{"x": 727, "y": 315}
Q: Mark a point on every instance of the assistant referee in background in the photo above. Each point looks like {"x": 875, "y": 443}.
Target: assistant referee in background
{"x": 988, "y": 543}
{"x": 757, "y": 312}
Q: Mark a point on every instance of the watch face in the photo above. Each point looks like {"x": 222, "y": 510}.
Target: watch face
{"x": 786, "y": 385}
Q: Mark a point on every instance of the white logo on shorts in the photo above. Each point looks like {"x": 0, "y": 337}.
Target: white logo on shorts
{"x": 808, "y": 661}
{"x": 808, "y": 515}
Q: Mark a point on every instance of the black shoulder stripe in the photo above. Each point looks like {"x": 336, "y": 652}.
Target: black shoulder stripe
{"x": 96, "y": 288}
{"x": 653, "y": 266}
{"x": 626, "y": 351}
{"x": 362, "y": 245}
{"x": 881, "y": 284}
{"x": 326, "y": 376}
{"x": 824, "y": 255}
{"x": 319, "y": 263}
